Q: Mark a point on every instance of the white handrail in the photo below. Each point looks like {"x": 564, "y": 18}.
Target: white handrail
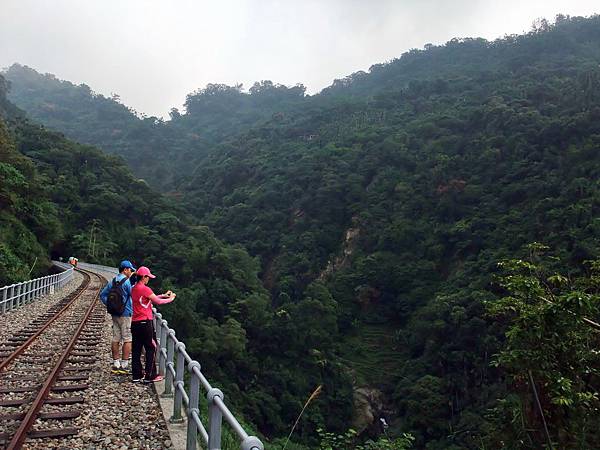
{"x": 19, "y": 294}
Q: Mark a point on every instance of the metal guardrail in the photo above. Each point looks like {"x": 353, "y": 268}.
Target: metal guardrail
{"x": 19, "y": 294}
{"x": 87, "y": 266}
{"x": 173, "y": 361}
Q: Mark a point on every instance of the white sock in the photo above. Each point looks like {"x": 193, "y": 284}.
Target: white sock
{"x": 124, "y": 364}
{"x": 117, "y": 363}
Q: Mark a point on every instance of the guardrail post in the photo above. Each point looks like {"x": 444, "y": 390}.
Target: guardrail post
{"x": 4, "y": 292}
{"x": 179, "y": 385}
{"x": 251, "y": 442}
{"x": 18, "y": 294}
{"x": 192, "y": 428}
{"x": 162, "y": 346}
{"x": 11, "y": 297}
{"x": 25, "y": 292}
{"x": 157, "y": 318}
{"x": 215, "y": 419}
{"x": 168, "y": 392}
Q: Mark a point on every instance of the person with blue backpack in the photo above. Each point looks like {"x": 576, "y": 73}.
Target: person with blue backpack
{"x": 116, "y": 295}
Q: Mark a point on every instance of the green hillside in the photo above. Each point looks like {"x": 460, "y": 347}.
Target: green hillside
{"x": 61, "y": 198}
{"x": 157, "y": 151}
{"x": 377, "y": 211}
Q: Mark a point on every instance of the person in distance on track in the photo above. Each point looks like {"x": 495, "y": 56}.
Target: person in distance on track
{"x": 121, "y": 322}
{"x": 142, "y": 327}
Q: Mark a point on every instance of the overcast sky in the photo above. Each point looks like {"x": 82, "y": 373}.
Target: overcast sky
{"x": 152, "y": 52}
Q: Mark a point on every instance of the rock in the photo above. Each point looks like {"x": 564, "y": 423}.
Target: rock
{"x": 368, "y": 404}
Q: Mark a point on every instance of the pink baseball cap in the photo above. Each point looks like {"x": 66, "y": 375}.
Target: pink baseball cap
{"x": 144, "y": 271}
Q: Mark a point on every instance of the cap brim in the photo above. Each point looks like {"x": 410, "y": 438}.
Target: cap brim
{"x": 151, "y": 276}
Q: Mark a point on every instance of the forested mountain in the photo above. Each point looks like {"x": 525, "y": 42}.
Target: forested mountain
{"x": 379, "y": 210}
{"x": 28, "y": 219}
{"x": 158, "y": 151}
{"x": 61, "y": 198}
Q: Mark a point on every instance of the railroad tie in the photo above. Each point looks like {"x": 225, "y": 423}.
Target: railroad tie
{"x": 82, "y": 353}
{"x": 60, "y": 415}
{"x": 15, "y": 389}
{"x": 73, "y": 378}
{"x": 81, "y": 360}
{"x": 25, "y": 378}
{"x": 54, "y": 432}
{"x": 70, "y": 387}
{"x": 13, "y": 402}
{"x": 64, "y": 400}
{"x": 13, "y": 416}
{"x": 76, "y": 369}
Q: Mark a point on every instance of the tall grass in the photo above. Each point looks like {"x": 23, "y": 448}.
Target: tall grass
{"x": 314, "y": 395}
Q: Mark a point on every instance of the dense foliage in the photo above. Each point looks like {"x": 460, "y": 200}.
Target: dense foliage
{"x": 551, "y": 354}
{"x": 157, "y": 151}
{"x": 29, "y": 222}
{"x": 377, "y": 211}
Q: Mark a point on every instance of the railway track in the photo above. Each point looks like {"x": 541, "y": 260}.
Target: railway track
{"x": 44, "y": 368}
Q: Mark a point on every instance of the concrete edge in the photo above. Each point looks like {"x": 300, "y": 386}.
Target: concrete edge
{"x": 177, "y": 431}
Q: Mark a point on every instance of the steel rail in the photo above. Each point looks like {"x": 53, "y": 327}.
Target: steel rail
{"x": 21, "y": 434}
{"x": 19, "y": 350}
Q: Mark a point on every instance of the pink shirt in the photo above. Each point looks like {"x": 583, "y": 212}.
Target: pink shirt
{"x": 142, "y": 302}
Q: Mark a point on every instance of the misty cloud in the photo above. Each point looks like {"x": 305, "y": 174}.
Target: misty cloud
{"x": 152, "y": 53}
